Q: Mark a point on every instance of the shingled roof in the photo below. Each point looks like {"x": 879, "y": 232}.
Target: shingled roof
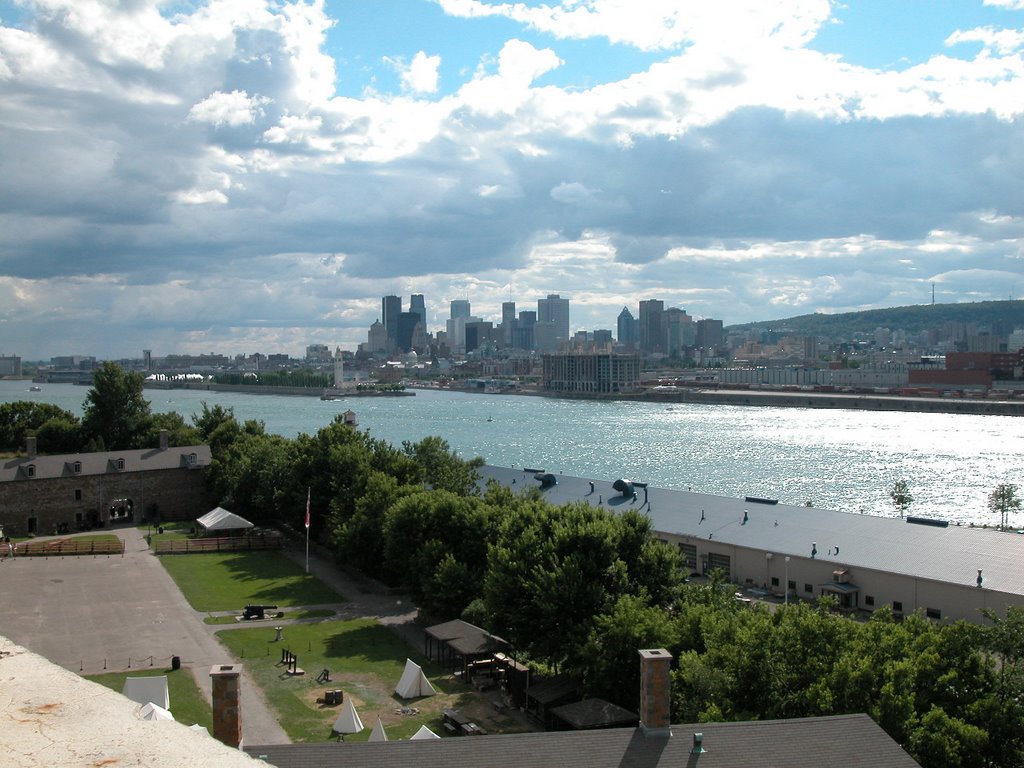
{"x": 843, "y": 741}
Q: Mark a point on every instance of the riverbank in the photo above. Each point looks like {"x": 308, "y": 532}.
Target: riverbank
{"x": 256, "y": 389}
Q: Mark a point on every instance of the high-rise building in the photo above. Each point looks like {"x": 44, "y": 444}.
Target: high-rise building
{"x": 555, "y": 310}
{"x": 390, "y": 308}
{"x": 626, "y": 327}
{"x": 652, "y": 325}
{"x": 508, "y": 322}
{"x": 679, "y": 331}
{"x": 710, "y": 333}
{"x": 459, "y": 308}
{"x": 522, "y": 338}
{"x": 410, "y": 327}
{"x": 418, "y": 305}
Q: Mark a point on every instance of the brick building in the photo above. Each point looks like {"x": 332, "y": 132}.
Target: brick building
{"x": 68, "y": 492}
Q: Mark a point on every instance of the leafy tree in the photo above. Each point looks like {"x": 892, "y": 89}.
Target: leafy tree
{"x": 115, "y": 412}
{"x": 246, "y": 476}
{"x": 442, "y": 468}
{"x": 359, "y": 540}
{"x": 60, "y": 435}
{"x": 900, "y": 495}
{"x": 178, "y": 432}
{"x": 1004, "y": 499}
{"x": 23, "y": 417}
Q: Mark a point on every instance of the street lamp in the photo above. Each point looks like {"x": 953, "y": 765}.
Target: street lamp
{"x": 786, "y": 600}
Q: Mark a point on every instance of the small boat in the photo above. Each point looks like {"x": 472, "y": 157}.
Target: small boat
{"x": 35, "y": 388}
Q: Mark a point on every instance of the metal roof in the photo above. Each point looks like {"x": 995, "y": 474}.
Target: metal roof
{"x": 950, "y": 555}
{"x": 103, "y": 462}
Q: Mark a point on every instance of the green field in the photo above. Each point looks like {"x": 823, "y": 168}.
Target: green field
{"x": 365, "y": 661}
{"x": 187, "y": 703}
{"x": 228, "y": 581}
{"x": 310, "y": 613}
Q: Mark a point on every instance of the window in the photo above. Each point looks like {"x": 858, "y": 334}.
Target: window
{"x": 192, "y": 459}
{"x": 30, "y": 470}
{"x": 721, "y": 562}
{"x": 809, "y": 588}
{"x": 119, "y": 465}
{"x": 32, "y": 525}
{"x": 792, "y": 585}
{"x": 77, "y": 467}
{"x": 689, "y": 553}
{"x": 869, "y": 600}
{"x": 933, "y": 613}
{"x": 775, "y": 581}
{"x": 78, "y": 494}
{"x": 897, "y": 606}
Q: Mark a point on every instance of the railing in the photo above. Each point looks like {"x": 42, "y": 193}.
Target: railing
{"x": 62, "y": 547}
{"x": 224, "y": 544}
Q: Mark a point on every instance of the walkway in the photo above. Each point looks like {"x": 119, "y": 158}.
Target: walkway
{"x": 96, "y": 614}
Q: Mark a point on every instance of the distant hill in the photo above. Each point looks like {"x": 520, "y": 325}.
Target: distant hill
{"x": 1001, "y": 317}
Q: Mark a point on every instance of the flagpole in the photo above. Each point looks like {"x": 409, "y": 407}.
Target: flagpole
{"x": 307, "y": 529}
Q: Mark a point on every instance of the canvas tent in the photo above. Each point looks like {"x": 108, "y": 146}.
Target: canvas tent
{"x": 153, "y": 711}
{"x": 348, "y": 721}
{"x": 219, "y": 520}
{"x": 378, "y": 733}
{"x": 413, "y": 683}
{"x": 145, "y": 690}
{"x": 423, "y": 733}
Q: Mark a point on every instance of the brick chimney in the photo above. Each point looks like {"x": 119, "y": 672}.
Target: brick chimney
{"x": 165, "y": 439}
{"x": 227, "y": 707}
{"x": 30, "y": 446}
{"x": 655, "y": 692}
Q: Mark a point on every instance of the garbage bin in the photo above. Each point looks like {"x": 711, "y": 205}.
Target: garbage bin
{"x": 175, "y": 663}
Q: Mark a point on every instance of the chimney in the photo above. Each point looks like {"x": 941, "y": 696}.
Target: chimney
{"x": 165, "y": 439}
{"x": 655, "y": 692}
{"x": 227, "y": 710}
{"x": 30, "y": 446}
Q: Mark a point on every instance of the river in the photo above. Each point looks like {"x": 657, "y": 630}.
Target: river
{"x": 834, "y": 459}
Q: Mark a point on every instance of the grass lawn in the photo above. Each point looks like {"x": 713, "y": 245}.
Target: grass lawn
{"x": 311, "y": 613}
{"x": 366, "y": 661}
{"x": 228, "y": 581}
{"x": 173, "y": 530}
{"x": 187, "y": 703}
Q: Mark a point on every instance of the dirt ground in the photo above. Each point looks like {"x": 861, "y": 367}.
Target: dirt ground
{"x": 372, "y": 698}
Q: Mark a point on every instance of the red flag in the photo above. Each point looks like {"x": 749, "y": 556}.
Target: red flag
{"x": 307, "y": 508}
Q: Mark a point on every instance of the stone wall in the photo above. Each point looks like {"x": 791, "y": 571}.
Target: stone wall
{"x": 42, "y": 505}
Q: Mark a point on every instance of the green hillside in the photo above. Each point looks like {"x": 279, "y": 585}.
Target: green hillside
{"x": 998, "y": 316}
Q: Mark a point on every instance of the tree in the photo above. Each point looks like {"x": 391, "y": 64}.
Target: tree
{"x": 116, "y": 413}
{"x": 1003, "y": 500}
{"x": 900, "y": 495}
{"x": 22, "y": 418}
{"x": 442, "y": 468}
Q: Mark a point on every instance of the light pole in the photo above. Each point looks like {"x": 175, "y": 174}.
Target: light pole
{"x": 786, "y": 599}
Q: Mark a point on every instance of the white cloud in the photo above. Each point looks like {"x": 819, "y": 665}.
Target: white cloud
{"x": 421, "y": 74}
{"x": 233, "y": 109}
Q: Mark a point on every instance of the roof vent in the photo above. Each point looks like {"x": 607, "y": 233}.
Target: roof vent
{"x": 698, "y": 744}
{"x": 546, "y": 479}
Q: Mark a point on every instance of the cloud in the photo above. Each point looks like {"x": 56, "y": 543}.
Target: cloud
{"x": 232, "y": 109}
{"x": 195, "y": 167}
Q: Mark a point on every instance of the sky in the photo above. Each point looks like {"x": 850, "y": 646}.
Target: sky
{"x": 239, "y": 176}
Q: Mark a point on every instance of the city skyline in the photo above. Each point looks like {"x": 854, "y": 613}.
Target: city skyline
{"x": 242, "y": 175}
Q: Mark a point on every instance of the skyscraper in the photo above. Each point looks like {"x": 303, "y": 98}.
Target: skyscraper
{"x": 626, "y": 327}
{"x": 652, "y": 325}
{"x": 390, "y": 309}
{"x": 459, "y": 308}
{"x": 419, "y": 306}
{"x": 554, "y": 309}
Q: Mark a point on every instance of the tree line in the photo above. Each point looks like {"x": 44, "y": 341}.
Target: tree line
{"x": 578, "y": 589}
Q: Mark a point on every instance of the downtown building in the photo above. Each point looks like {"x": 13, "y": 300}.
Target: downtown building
{"x": 590, "y": 373}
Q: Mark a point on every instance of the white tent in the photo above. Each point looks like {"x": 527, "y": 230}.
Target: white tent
{"x": 348, "y": 721}
{"x": 145, "y": 690}
{"x": 423, "y": 733}
{"x": 153, "y": 711}
{"x": 413, "y": 683}
{"x": 220, "y": 519}
{"x": 378, "y": 733}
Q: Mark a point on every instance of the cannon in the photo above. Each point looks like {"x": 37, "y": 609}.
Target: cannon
{"x": 257, "y": 611}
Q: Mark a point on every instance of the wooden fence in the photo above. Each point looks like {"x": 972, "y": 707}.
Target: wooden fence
{"x": 225, "y": 544}
{"x": 62, "y": 547}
